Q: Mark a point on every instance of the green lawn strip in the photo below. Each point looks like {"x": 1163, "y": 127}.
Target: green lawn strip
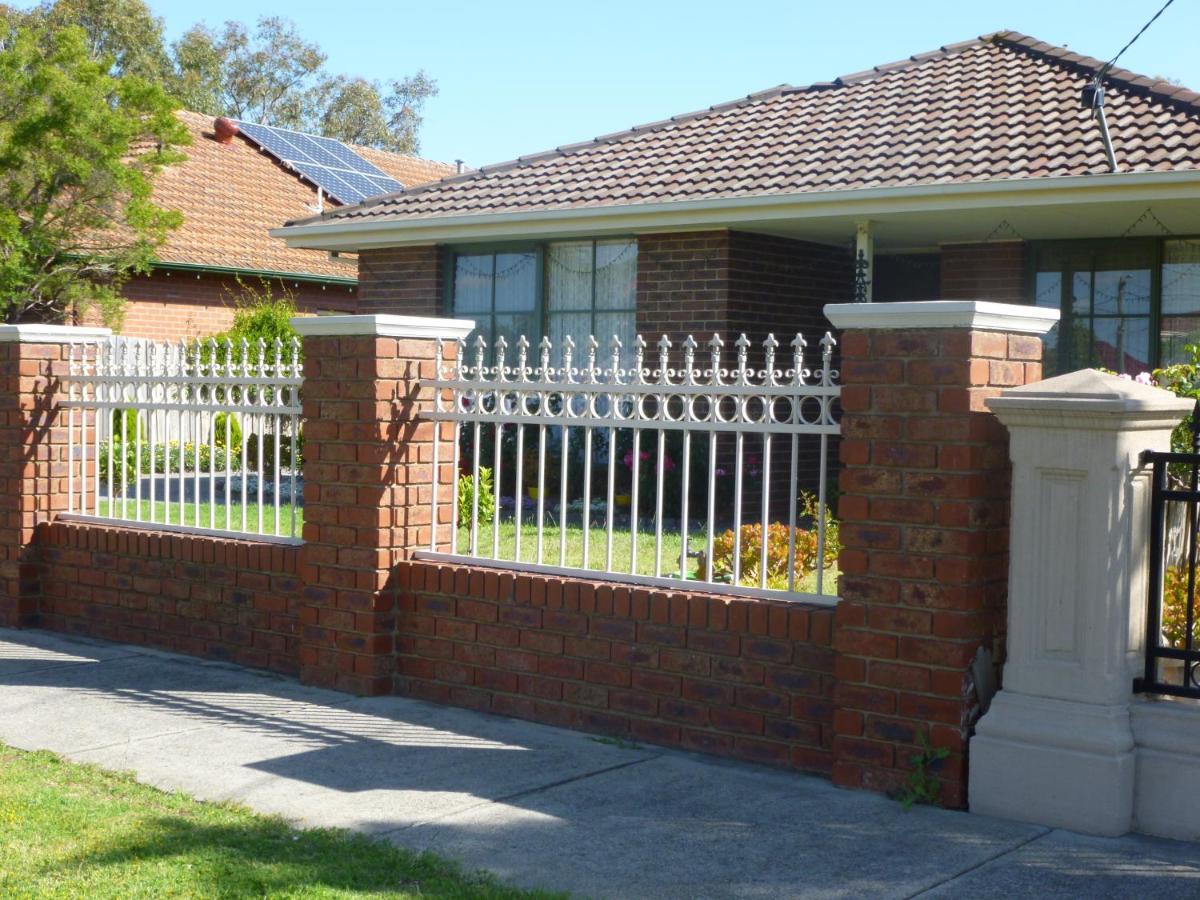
{"x": 622, "y": 551}
{"x": 71, "y": 830}
{"x": 225, "y": 517}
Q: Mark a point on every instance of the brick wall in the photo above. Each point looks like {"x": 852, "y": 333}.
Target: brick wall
{"x": 683, "y": 284}
{"x": 988, "y": 271}
{"x": 166, "y": 305}
{"x": 924, "y": 566}
{"x": 737, "y": 677}
{"x": 212, "y": 597}
{"x": 33, "y": 468}
{"x": 401, "y": 280}
{"x": 728, "y": 282}
{"x": 369, "y": 481}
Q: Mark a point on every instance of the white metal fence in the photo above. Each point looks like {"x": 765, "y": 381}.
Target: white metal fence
{"x": 194, "y": 436}
{"x": 679, "y": 473}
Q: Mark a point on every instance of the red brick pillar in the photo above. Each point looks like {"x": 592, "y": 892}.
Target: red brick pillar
{"x": 33, "y": 454}
{"x": 368, "y": 485}
{"x": 924, "y": 510}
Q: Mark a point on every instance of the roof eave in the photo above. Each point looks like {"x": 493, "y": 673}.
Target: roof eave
{"x": 365, "y": 234}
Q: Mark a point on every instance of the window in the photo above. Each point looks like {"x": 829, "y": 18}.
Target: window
{"x": 1180, "y": 299}
{"x": 591, "y": 289}
{"x": 1105, "y": 292}
{"x": 575, "y": 288}
{"x": 498, "y": 291}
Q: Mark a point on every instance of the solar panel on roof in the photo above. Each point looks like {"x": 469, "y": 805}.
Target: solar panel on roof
{"x": 329, "y": 164}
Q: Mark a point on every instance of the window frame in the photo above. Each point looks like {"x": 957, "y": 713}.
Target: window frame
{"x": 1093, "y": 246}
{"x": 539, "y": 248}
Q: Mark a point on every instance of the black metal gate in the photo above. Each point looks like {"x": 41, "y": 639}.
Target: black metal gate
{"x": 1172, "y": 655}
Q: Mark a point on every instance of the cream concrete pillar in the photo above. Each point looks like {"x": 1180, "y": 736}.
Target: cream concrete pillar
{"x": 1056, "y": 745}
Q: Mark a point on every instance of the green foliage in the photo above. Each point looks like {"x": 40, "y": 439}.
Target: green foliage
{"x": 167, "y": 459}
{"x": 779, "y": 544}
{"x": 234, "y": 428}
{"x": 123, "y": 31}
{"x": 922, "y": 785}
{"x": 79, "y": 149}
{"x": 1183, "y": 380}
{"x": 466, "y": 497}
{"x": 260, "y": 314}
{"x": 1175, "y": 607}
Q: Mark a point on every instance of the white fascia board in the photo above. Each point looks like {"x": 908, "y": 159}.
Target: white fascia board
{"x": 383, "y": 326}
{"x": 973, "y": 315}
{"x": 36, "y": 333}
{"x": 727, "y": 211}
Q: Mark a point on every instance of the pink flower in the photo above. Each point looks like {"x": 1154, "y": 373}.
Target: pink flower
{"x": 721, "y": 473}
{"x": 668, "y": 464}
{"x": 1144, "y": 378}
{"x": 643, "y": 456}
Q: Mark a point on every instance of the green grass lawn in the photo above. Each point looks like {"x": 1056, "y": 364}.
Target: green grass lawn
{"x": 224, "y": 516}
{"x": 72, "y": 831}
{"x": 622, "y": 550}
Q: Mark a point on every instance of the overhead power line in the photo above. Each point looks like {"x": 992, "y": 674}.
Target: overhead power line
{"x": 1108, "y": 65}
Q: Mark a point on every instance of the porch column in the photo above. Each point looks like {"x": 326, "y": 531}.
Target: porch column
{"x": 924, "y": 510}
{"x": 369, "y": 481}
{"x": 33, "y": 453}
{"x": 1056, "y": 745}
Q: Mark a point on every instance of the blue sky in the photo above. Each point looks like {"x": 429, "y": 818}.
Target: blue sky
{"x": 522, "y": 77}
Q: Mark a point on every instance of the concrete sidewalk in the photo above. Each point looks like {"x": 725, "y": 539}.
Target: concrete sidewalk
{"x": 537, "y": 806}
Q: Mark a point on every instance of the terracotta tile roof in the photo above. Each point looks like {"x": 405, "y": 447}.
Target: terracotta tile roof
{"x": 231, "y": 194}
{"x": 1003, "y": 106}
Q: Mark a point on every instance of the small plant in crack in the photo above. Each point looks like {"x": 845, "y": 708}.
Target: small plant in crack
{"x": 922, "y": 786}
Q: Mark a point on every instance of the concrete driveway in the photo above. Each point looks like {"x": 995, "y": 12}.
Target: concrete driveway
{"x": 537, "y": 806}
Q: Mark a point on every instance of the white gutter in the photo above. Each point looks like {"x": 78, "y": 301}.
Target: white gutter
{"x": 355, "y": 234}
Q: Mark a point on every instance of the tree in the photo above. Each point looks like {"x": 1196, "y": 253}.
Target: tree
{"x": 356, "y": 111}
{"x": 267, "y": 77}
{"x": 123, "y": 30}
{"x": 274, "y": 77}
{"x": 79, "y": 148}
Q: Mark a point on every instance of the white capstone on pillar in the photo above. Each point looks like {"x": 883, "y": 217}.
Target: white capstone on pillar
{"x": 1055, "y": 746}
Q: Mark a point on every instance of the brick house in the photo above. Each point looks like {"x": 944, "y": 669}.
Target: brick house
{"x": 969, "y": 172}
{"x": 231, "y": 193}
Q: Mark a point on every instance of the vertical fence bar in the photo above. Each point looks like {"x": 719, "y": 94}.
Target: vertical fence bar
{"x": 437, "y": 461}
{"x": 567, "y": 405}
{"x": 1158, "y": 519}
{"x": 715, "y": 379}
{"x": 797, "y": 379}
{"x": 501, "y": 375}
{"x": 124, "y": 464}
{"x": 110, "y": 436}
{"x": 139, "y": 398}
{"x": 519, "y": 475}
{"x": 153, "y": 393}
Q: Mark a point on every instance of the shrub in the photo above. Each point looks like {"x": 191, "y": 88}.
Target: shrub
{"x": 235, "y": 431}
{"x": 1174, "y": 608}
{"x": 778, "y": 543}
{"x": 466, "y": 497}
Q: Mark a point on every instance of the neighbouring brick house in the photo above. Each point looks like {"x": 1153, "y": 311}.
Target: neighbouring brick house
{"x": 970, "y": 172}
{"x": 230, "y": 194}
